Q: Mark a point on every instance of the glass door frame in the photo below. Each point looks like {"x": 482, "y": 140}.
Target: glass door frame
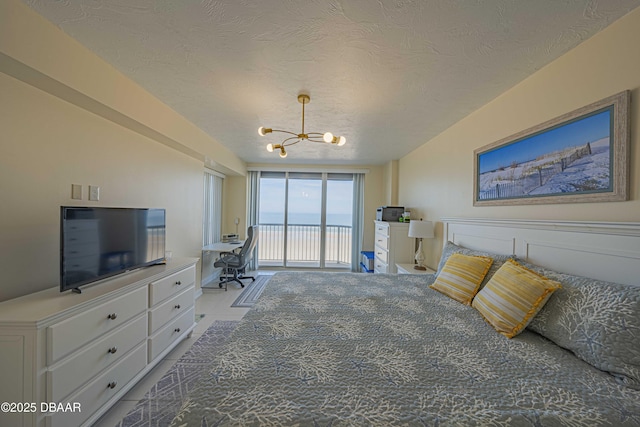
{"x": 324, "y": 177}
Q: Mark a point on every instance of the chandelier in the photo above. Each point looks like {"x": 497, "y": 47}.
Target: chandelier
{"x": 327, "y": 137}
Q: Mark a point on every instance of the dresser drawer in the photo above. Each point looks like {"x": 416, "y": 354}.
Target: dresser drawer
{"x": 171, "y": 332}
{"x": 88, "y": 362}
{"x": 164, "y": 288}
{"x": 380, "y": 267}
{"x": 69, "y": 335}
{"x": 166, "y": 311}
{"x": 382, "y": 241}
{"x": 100, "y": 390}
{"x": 382, "y": 229}
{"x": 381, "y": 255}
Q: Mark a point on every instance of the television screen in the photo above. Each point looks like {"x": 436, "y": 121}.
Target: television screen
{"x": 96, "y": 243}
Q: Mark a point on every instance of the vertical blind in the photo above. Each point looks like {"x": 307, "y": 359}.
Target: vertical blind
{"x": 212, "y": 215}
{"x": 253, "y": 203}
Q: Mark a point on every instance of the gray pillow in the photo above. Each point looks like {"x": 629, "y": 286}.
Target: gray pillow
{"x": 451, "y": 248}
{"x": 598, "y": 321}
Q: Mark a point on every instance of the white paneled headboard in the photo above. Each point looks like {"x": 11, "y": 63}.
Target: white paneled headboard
{"x": 601, "y": 250}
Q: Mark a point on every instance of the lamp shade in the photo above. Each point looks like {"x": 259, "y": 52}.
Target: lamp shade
{"x": 421, "y": 229}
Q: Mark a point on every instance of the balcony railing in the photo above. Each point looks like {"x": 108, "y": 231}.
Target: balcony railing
{"x": 303, "y": 245}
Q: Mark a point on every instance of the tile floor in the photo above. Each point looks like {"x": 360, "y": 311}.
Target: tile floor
{"x": 215, "y": 304}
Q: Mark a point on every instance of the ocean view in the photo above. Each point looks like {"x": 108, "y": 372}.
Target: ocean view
{"x": 304, "y": 218}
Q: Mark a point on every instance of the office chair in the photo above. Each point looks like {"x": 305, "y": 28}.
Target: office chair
{"x": 233, "y": 264}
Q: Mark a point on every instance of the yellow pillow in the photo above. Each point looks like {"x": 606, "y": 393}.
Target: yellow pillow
{"x": 461, "y": 276}
{"x": 513, "y": 296}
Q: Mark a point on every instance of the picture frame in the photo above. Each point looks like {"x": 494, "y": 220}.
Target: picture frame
{"x": 579, "y": 157}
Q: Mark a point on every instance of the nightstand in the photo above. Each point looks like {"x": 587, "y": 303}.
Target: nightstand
{"x": 408, "y": 269}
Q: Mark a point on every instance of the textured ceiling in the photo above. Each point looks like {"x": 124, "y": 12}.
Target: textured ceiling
{"x": 387, "y": 74}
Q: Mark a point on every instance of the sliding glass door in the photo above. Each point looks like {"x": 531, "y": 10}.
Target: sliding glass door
{"x": 339, "y": 219}
{"x": 271, "y": 218}
{"x": 305, "y": 219}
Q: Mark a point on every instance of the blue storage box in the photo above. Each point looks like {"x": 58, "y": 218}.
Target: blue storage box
{"x": 364, "y": 269}
{"x": 367, "y": 261}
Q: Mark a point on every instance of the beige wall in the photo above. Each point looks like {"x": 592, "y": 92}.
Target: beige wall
{"x": 234, "y": 205}
{"x": 47, "y": 145}
{"x": 390, "y": 180}
{"x": 437, "y": 178}
{"x": 39, "y": 53}
{"x": 375, "y": 194}
{"x": 67, "y": 117}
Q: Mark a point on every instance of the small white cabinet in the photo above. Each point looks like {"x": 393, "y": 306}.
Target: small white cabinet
{"x": 392, "y": 245}
{"x": 89, "y": 349}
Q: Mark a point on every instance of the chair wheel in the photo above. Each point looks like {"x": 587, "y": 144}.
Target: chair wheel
{"x": 242, "y": 285}
{"x": 220, "y": 285}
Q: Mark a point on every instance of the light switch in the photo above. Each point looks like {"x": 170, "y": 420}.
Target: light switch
{"x": 76, "y": 191}
{"x": 94, "y": 193}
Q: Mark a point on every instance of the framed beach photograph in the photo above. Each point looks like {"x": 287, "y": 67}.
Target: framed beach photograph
{"x": 579, "y": 157}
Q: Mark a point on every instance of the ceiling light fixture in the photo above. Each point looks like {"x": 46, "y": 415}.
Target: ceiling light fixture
{"x": 327, "y": 137}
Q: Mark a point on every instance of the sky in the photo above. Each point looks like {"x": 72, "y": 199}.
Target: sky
{"x": 305, "y": 196}
{"x": 579, "y": 132}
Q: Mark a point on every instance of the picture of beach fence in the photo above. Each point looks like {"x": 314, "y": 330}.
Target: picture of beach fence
{"x": 573, "y": 157}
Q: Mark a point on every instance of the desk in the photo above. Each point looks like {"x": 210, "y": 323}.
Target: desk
{"x": 223, "y": 247}
{"x": 210, "y": 254}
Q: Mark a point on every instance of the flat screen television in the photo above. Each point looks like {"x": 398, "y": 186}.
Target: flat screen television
{"x": 96, "y": 243}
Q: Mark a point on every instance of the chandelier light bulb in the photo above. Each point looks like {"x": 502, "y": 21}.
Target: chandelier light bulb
{"x": 262, "y": 131}
{"x": 341, "y": 141}
{"x": 328, "y": 137}
{"x": 269, "y": 147}
{"x": 283, "y": 153}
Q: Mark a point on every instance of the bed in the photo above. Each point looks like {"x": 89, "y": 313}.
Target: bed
{"x": 334, "y": 349}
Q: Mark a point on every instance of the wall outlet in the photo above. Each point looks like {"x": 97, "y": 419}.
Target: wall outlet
{"x": 94, "y": 193}
{"x": 76, "y": 191}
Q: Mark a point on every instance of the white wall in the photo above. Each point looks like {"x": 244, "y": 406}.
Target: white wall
{"x": 436, "y": 179}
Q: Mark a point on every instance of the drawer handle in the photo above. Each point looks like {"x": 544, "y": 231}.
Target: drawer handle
{"x": 177, "y": 306}
{"x": 112, "y": 350}
{"x": 112, "y": 316}
{"x": 176, "y": 330}
{"x": 112, "y": 385}
{"x": 178, "y": 283}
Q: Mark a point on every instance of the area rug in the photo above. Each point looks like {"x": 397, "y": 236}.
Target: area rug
{"x": 160, "y": 405}
{"x": 250, "y": 295}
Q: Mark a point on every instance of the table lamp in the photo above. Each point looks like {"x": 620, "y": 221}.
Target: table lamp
{"x": 420, "y": 230}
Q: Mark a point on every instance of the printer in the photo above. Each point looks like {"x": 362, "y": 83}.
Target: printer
{"x": 229, "y": 238}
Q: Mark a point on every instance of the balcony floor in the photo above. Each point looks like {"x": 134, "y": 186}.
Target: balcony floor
{"x": 304, "y": 265}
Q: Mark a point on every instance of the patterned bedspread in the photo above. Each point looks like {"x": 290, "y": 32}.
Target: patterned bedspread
{"x": 348, "y": 349}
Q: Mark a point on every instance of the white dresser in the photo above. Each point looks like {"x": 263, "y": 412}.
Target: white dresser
{"x": 85, "y": 351}
{"x": 392, "y": 246}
